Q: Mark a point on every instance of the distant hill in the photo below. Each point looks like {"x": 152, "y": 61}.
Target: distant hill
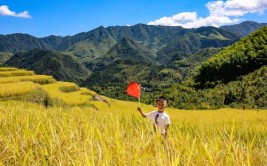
{"x": 193, "y": 40}
{"x": 244, "y": 28}
{"x": 24, "y": 42}
{"x": 60, "y": 66}
{"x": 162, "y": 41}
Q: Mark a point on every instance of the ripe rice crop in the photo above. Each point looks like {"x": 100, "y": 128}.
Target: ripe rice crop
{"x": 15, "y": 89}
{"x": 33, "y": 135}
{"x": 68, "y": 93}
{"x": 40, "y": 79}
{"x": 11, "y": 73}
{"x": 8, "y": 69}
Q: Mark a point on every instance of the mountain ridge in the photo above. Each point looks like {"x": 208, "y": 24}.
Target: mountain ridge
{"x": 164, "y": 42}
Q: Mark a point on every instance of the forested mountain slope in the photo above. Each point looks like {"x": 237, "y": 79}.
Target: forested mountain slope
{"x": 245, "y": 56}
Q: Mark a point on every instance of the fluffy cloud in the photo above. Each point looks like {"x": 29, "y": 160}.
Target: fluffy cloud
{"x": 4, "y": 10}
{"x": 220, "y": 13}
{"x": 176, "y": 20}
{"x": 236, "y": 8}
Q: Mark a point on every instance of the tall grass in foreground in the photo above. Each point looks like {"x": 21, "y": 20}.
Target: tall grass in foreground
{"x": 32, "y": 135}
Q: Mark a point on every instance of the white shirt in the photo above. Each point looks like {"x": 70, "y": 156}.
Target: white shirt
{"x": 162, "y": 120}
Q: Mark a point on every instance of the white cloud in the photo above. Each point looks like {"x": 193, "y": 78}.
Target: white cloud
{"x": 176, "y": 20}
{"x": 220, "y": 13}
{"x": 215, "y": 21}
{"x": 236, "y": 8}
{"x": 4, "y": 10}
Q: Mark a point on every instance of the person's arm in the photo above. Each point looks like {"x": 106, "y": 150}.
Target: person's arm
{"x": 139, "y": 109}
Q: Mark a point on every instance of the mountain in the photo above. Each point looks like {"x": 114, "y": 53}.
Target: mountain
{"x": 20, "y": 42}
{"x": 130, "y": 49}
{"x": 193, "y": 40}
{"x": 244, "y": 28}
{"x": 162, "y": 41}
{"x": 60, "y": 66}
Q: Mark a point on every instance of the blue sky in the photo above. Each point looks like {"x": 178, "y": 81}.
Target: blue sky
{"x": 42, "y": 18}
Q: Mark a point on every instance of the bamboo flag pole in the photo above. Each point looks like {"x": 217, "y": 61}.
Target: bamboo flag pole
{"x": 128, "y": 105}
{"x": 139, "y": 100}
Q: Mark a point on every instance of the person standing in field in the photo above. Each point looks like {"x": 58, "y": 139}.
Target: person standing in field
{"x": 159, "y": 119}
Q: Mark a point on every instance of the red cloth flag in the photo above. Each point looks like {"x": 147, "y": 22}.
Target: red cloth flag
{"x": 134, "y": 89}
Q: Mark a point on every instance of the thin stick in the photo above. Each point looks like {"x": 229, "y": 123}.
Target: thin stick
{"x": 128, "y": 108}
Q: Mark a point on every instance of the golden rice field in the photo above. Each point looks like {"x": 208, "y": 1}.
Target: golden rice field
{"x": 91, "y": 132}
{"x": 40, "y": 79}
{"x": 13, "y": 72}
{"x": 69, "y": 93}
{"x": 17, "y": 82}
{"x": 15, "y": 89}
{"x": 33, "y": 135}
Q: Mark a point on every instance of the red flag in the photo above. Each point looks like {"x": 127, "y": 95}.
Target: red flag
{"x": 134, "y": 89}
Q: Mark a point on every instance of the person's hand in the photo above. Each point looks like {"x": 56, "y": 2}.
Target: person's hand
{"x": 139, "y": 109}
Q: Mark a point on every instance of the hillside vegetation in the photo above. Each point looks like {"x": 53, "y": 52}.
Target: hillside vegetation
{"x": 246, "y": 92}
{"x": 245, "y": 56}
